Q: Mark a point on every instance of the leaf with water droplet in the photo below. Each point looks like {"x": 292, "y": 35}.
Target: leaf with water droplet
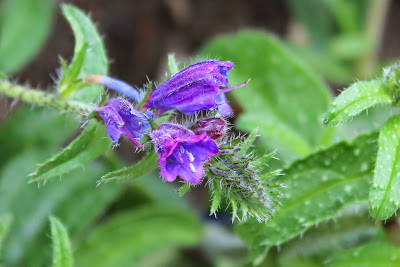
{"x": 384, "y": 198}
{"x": 358, "y": 97}
{"x": 317, "y": 188}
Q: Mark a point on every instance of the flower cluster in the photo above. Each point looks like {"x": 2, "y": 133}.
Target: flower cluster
{"x": 194, "y": 151}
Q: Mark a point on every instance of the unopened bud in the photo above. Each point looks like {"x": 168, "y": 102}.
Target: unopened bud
{"x": 214, "y": 127}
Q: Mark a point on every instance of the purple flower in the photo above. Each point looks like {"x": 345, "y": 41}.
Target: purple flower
{"x": 121, "y": 118}
{"x": 182, "y": 152}
{"x": 197, "y": 87}
{"x": 214, "y": 127}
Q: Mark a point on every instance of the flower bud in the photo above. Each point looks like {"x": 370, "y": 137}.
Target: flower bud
{"x": 214, "y": 127}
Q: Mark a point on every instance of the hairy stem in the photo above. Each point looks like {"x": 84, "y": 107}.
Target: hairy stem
{"x": 41, "y": 98}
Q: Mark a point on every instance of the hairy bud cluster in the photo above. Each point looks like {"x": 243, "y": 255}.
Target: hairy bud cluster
{"x": 239, "y": 178}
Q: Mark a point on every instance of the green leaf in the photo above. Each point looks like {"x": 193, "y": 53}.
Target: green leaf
{"x": 47, "y": 129}
{"x": 95, "y": 60}
{"x": 318, "y": 187}
{"x": 358, "y": 97}
{"x": 143, "y": 167}
{"x": 130, "y": 237}
{"x": 5, "y": 222}
{"x": 384, "y": 196}
{"x": 284, "y": 99}
{"x": 62, "y": 250}
{"x": 369, "y": 255}
{"x": 75, "y": 200}
{"x": 90, "y": 144}
{"x": 350, "y": 228}
{"x": 19, "y": 43}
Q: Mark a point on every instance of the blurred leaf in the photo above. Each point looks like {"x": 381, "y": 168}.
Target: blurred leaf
{"x": 285, "y": 99}
{"x": 128, "y": 238}
{"x": 370, "y": 255}
{"x": 143, "y": 167}
{"x": 349, "y": 229}
{"x": 95, "y": 60}
{"x": 24, "y": 27}
{"x": 384, "y": 197}
{"x": 90, "y": 144}
{"x": 75, "y": 200}
{"x": 323, "y": 63}
{"x": 316, "y": 18}
{"x": 33, "y": 127}
{"x": 318, "y": 187}
{"x": 358, "y": 97}
{"x": 62, "y": 250}
{"x": 351, "y": 46}
{"x": 5, "y": 222}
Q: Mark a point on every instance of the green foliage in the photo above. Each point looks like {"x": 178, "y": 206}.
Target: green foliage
{"x": 92, "y": 60}
{"x": 143, "y": 167}
{"x": 284, "y": 99}
{"x": 385, "y": 191}
{"x": 47, "y": 129}
{"x": 91, "y": 143}
{"x": 18, "y": 42}
{"x": 62, "y": 250}
{"x": 317, "y": 188}
{"x": 129, "y": 237}
{"x": 5, "y": 222}
{"x": 358, "y": 97}
{"x": 349, "y": 229}
{"x": 369, "y": 255}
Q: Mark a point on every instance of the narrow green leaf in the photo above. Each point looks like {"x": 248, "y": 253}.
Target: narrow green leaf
{"x": 127, "y": 238}
{"x": 284, "y": 99}
{"x": 384, "y": 196}
{"x": 5, "y": 222}
{"x": 358, "y": 97}
{"x": 90, "y": 144}
{"x": 143, "y": 167}
{"x": 369, "y": 255}
{"x": 62, "y": 250}
{"x": 18, "y": 42}
{"x": 172, "y": 65}
{"x": 95, "y": 61}
{"x": 246, "y": 145}
{"x": 317, "y": 188}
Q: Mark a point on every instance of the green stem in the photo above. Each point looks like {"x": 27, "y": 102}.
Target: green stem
{"x": 374, "y": 25}
{"x": 41, "y": 98}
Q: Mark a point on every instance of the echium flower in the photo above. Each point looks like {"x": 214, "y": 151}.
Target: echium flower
{"x": 121, "y": 119}
{"x": 182, "y": 152}
{"x": 198, "y": 87}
